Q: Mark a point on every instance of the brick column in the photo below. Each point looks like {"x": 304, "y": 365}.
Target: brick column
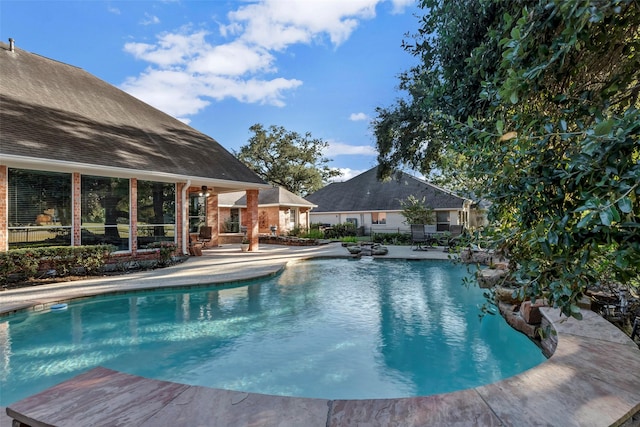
{"x": 4, "y": 208}
{"x": 181, "y": 226}
{"x": 212, "y": 218}
{"x": 252, "y": 219}
{"x": 133, "y": 215}
{"x": 77, "y": 209}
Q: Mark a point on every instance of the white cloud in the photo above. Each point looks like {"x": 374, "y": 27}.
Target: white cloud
{"x": 400, "y": 5}
{"x": 340, "y": 149}
{"x": 114, "y": 10}
{"x": 150, "y": 19}
{"x": 186, "y": 70}
{"x": 173, "y": 92}
{"x": 172, "y": 49}
{"x": 276, "y": 24}
{"x": 233, "y": 59}
{"x": 355, "y": 117}
{"x": 347, "y": 174}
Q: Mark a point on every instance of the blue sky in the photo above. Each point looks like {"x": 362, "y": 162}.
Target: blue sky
{"x": 318, "y": 66}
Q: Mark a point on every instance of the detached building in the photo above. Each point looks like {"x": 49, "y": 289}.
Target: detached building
{"x": 279, "y": 212}
{"x": 375, "y": 205}
{"x": 83, "y": 162}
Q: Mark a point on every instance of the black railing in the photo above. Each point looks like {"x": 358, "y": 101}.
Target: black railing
{"x": 32, "y": 236}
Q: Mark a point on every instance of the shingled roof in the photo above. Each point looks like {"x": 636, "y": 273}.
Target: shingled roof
{"x": 364, "y": 193}
{"x": 274, "y": 196}
{"x": 56, "y": 113}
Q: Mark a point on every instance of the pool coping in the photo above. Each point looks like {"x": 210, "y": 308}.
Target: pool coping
{"x": 592, "y": 378}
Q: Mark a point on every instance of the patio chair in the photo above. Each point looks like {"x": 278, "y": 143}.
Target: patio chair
{"x": 418, "y": 237}
{"x": 205, "y": 235}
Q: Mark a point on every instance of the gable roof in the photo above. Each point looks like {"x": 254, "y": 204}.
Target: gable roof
{"x": 57, "y": 114}
{"x": 274, "y": 196}
{"x": 364, "y": 193}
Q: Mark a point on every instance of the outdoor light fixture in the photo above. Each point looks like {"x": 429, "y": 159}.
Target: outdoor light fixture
{"x": 204, "y": 191}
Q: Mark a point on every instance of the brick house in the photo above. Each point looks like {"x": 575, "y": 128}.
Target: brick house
{"x": 83, "y": 162}
{"x": 277, "y": 207}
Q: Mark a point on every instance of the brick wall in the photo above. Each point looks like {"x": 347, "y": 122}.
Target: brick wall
{"x": 133, "y": 214}
{"x": 77, "y": 211}
{"x": 252, "y": 219}
{"x": 4, "y": 208}
{"x": 180, "y": 209}
{"x": 212, "y": 219}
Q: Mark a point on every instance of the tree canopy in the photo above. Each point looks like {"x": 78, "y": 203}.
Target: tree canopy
{"x": 533, "y": 105}
{"x": 287, "y": 159}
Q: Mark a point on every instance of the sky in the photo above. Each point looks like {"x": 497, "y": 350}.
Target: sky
{"x": 311, "y": 66}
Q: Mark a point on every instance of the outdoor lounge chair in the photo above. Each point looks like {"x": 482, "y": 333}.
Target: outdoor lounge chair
{"x": 418, "y": 237}
{"x": 205, "y": 235}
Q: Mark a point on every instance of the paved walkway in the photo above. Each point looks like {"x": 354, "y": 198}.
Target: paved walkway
{"x": 593, "y": 378}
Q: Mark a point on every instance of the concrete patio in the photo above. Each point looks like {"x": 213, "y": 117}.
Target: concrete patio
{"x": 592, "y": 379}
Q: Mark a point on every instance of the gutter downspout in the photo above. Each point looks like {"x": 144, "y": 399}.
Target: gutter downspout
{"x": 185, "y": 248}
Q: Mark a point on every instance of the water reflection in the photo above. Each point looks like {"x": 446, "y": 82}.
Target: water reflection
{"x": 329, "y": 328}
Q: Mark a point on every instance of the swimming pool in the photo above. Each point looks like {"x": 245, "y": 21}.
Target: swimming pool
{"x": 334, "y": 329}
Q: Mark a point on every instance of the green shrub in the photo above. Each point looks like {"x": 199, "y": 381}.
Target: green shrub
{"x": 340, "y": 230}
{"x": 391, "y": 238}
{"x": 313, "y": 234}
{"x": 24, "y": 264}
{"x": 165, "y": 251}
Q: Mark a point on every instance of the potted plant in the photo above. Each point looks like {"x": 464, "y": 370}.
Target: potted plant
{"x": 244, "y": 246}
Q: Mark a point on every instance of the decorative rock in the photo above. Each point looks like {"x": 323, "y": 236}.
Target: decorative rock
{"x": 488, "y": 278}
{"x": 513, "y": 318}
{"x": 531, "y": 312}
{"x": 506, "y": 295}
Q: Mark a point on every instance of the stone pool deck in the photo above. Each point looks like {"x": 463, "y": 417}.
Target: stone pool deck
{"x": 592, "y": 379}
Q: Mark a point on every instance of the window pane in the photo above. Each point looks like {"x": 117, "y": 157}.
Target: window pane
{"x": 156, "y": 212}
{"x": 105, "y": 211}
{"x": 39, "y": 208}
{"x": 378, "y": 218}
{"x": 197, "y": 212}
{"x": 234, "y": 221}
{"x": 442, "y": 216}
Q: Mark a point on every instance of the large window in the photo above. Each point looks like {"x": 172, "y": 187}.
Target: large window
{"x": 379, "y": 218}
{"x": 105, "y": 211}
{"x": 229, "y": 220}
{"x": 39, "y": 208}
{"x": 156, "y": 212}
{"x": 443, "y": 220}
{"x": 197, "y": 212}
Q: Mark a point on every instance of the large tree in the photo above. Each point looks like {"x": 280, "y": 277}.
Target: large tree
{"x": 287, "y": 159}
{"x": 535, "y": 106}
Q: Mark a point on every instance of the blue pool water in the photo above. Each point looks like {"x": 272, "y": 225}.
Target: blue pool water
{"x": 333, "y": 329}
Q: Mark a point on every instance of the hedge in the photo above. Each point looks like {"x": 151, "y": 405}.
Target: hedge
{"x": 27, "y": 263}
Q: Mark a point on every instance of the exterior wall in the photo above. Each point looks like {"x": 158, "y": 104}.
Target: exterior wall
{"x": 213, "y": 219}
{"x": 278, "y": 216}
{"x": 252, "y": 219}
{"x": 76, "y": 188}
{"x": 133, "y": 215}
{"x": 304, "y": 218}
{"x": 182, "y": 225}
{"x": 76, "y": 220}
{"x": 4, "y": 208}
{"x": 394, "y": 224}
{"x": 268, "y": 216}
